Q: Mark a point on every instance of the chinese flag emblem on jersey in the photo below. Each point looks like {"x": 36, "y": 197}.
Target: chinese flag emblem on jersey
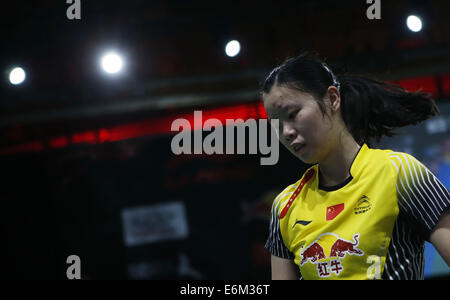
{"x": 334, "y": 211}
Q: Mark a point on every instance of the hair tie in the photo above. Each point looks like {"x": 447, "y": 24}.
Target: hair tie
{"x": 336, "y": 83}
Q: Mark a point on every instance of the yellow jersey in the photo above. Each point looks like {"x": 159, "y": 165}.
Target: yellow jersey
{"x": 371, "y": 226}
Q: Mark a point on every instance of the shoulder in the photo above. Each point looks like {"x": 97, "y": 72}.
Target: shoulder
{"x": 382, "y": 155}
{"x": 421, "y": 195}
{"x": 372, "y": 159}
{"x": 283, "y": 197}
{"x": 399, "y": 161}
{"x": 405, "y": 163}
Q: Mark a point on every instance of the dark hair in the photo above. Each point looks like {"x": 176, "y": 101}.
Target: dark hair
{"x": 370, "y": 108}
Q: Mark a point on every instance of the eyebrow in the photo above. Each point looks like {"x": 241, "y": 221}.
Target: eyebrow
{"x": 282, "y": 109}
{"x": 288, "y": 105}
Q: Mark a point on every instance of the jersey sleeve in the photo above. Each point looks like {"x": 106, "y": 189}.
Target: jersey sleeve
{"x": 420, "y": 194}
{"x": 275, "y": 243}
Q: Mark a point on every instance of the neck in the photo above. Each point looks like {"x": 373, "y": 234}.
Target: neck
{"x": 335, "y": 168}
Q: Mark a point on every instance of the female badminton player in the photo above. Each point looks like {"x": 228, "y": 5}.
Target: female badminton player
{"x": 357, "y": 212}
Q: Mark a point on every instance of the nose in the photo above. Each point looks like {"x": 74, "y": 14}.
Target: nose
{"x": 288, "y": 133}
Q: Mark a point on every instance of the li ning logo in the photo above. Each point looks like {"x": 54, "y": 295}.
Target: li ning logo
{"x": 363, "y": 205}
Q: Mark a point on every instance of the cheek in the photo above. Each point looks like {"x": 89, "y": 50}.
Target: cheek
{"x": 308, "y": 123}
{"x": 314, "y": 128}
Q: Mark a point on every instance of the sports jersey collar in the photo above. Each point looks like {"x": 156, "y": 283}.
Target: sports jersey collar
{"x": 356, "y": 167}
{"x": 358, "y": 162}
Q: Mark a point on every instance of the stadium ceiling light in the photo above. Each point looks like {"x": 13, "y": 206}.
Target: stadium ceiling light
{"x": 17, "y": 76}
{"x": 414, "y": 23}
{"x": 232, "y": 48}
{"x": 111, "y": 63}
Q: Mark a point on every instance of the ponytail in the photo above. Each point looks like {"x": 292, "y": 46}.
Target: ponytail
{"x": 372, "y": 108}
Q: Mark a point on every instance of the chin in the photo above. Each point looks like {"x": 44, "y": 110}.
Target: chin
{"x": 306, "y": 159}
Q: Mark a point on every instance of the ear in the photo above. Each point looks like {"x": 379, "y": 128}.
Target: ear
{"x": 334, "y": 97}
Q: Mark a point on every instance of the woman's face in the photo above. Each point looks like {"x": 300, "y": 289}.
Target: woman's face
{"x": 303, "y": 129}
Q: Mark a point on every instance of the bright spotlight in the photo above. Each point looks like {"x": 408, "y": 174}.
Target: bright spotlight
{"x": 414, "y": 23}
{"x": 111, "y": 63}
{"x": 232, "y": 48}
{"x": 16, "y": 76}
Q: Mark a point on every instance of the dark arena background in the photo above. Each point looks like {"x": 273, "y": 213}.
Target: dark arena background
{"x": 89, "y": 91}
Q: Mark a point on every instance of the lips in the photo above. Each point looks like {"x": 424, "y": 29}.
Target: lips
{"x": 298, "y": 147}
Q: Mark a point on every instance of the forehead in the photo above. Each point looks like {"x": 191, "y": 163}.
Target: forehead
{"x": 280, "y": 97}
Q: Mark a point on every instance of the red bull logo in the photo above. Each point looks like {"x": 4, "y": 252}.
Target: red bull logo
{"x": 341, "y": 247}
{"x": 314, "y": 252}
{"x": 336, "y": 248}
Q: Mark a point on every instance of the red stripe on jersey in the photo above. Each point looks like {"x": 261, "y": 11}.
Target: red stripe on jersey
{"x": 297, "y": 191}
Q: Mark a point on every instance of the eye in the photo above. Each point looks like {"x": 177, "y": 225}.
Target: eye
{"x": 293, "y": 114}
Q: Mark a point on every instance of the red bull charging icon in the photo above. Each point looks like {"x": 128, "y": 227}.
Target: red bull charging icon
{"x": 330, "y": 245}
